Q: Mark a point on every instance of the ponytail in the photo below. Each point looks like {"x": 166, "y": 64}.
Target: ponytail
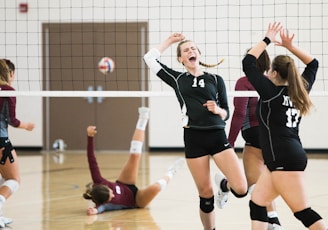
{"x": 297, "y": 85}
{"x": 211, "y": 65}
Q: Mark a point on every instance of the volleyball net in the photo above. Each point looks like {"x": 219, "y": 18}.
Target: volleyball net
{"x": 56, "y": 45}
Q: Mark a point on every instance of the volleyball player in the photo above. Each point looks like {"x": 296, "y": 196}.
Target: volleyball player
{"x": 244, "y": 119}
{"x": 9, "y": 167}
{"x": 283, "y": 100}
{"x": 203, "y": 101}
{"x": 123, "y": 193}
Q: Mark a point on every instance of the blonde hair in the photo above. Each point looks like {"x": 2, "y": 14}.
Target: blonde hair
{"x": 297, "y": 85}
{"x": 200, "y": 62}
{"x": 4, "y": 73}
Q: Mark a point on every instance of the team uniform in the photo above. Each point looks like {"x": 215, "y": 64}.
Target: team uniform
{"x": 203, "y": 131}
{"x": 124, "y": 194}
{"x": 279, "y": 119}
{"x": 244, "y": 118}
{"x": 7, "y": 117}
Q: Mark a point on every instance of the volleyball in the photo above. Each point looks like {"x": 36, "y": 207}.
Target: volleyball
{"x": 106, "y": 65}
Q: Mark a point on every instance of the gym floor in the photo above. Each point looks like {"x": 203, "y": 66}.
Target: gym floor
{"x": 50, "y": 195}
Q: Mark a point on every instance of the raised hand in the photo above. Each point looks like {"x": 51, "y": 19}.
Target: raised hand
{"x": 176, "y": 37}
{"x": 272, "y": 31}
{"x": 286, "y": 38}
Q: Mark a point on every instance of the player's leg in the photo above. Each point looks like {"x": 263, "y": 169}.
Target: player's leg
{"x": 291, "y": 186}
{"x": 263, "y": 194}
{"x": 202, "y": 179}
{"x": 129, "y": 171}
{"x": 146, "y": 195}
{"x": 229, "y": 164}
{"x": 9, "y": 183}
{"x": 253, "y": 166}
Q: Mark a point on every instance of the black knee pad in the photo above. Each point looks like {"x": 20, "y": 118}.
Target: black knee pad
{"x": 258, "y": 212}
{"x": 307, "y": 216}
{"x": 206, "y": 204}
{"x": 238, "y": 195}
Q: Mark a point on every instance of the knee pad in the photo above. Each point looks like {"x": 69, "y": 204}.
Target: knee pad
{"x": 12, "y": 185}
{"x": 238, "y": 195}
{"x": 258, "y": 212}
{"x": 206, "y": 204}
{"x": 136, "y": 147}
{"x": 307, "y": 217}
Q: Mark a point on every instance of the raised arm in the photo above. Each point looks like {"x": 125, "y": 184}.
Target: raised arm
{"x": 270, "y": 36}
{"x": 173, "y": 38}
{"x": 153, "y": 55}
{"x": 93, "y": 165}
{"x": 287, "y": 42}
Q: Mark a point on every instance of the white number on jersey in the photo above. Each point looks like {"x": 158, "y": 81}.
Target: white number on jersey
{"x": 292, "y": 113}
{"x": 201, "y": 83}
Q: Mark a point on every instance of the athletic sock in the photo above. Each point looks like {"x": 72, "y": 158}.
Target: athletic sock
{"x": 162, "y": 183}
{"x": 273, "y": 217}
{"x": 143, "y": 118}
{"x": 2, "y": 201}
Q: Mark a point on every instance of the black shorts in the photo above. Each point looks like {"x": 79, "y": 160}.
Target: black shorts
{"x": 252, "y": 137}
{"x": 288, "y": 156}
{"x": 6, "y": 153}
{"x": 200, "y": 142}
{"x": 132, "y": 187}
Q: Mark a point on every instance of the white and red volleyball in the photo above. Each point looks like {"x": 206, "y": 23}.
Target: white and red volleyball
{"x": 106, "y": 65}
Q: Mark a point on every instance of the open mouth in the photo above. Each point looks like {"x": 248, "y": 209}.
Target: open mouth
{"x": 192, "y": 59}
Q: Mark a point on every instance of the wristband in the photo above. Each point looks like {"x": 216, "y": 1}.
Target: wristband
{"x": 267, "y": 40}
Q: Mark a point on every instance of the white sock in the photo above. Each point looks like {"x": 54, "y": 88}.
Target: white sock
{"x": 272, "y": 214}
{"x": 162, "y": 183}
{"x": 143, "y": 118}
{"x": 250, "y": 189}
{"x": 169, "y": 174}
{"x": 2, "y": 201}
{"x": 142, "y": 123}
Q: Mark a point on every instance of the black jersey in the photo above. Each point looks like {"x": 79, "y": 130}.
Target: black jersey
{"x": 279, "y": 119}
{"x": 192, "y": 92}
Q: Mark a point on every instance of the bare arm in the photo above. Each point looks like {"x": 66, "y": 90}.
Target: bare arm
{"x": 27, "y": 126}
{"x": 287, "y": 42}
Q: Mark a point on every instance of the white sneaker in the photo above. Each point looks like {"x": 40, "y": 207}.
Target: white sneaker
{"x": 4, "y": 221}
{"x": 174, "y": 168}
{"x": 221, "y": 197}
{"x": 144, "y": 112}
{"x": 274, "y": 227}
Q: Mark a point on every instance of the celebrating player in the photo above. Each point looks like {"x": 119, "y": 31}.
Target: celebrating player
{"x": 283, "y": 100}
{"x": 203, "y": 101}
{"x": 244, "y": 119}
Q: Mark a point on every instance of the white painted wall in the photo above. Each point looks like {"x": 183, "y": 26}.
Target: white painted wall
{"x": 222, "y": 29}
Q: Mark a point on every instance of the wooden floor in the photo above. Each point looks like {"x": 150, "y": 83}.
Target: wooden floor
{"x": 50, "y": 196}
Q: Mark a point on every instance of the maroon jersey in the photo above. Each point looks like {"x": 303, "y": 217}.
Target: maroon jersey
{"x": 124, "y": 197}
{"x": 244, "y": 115}
{"x": 8, "y": 112}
